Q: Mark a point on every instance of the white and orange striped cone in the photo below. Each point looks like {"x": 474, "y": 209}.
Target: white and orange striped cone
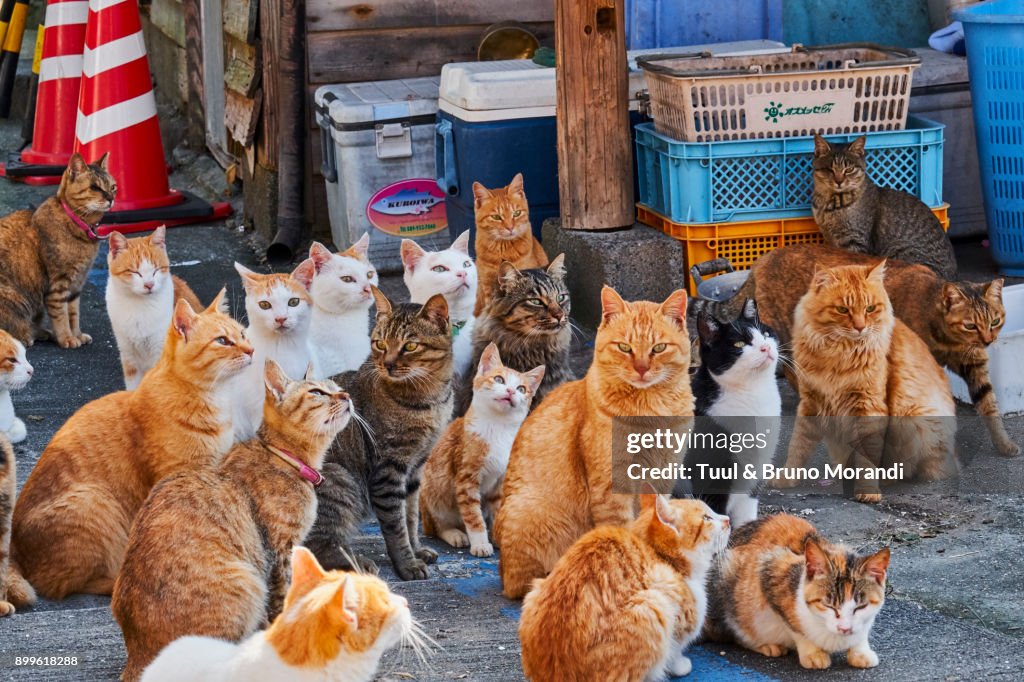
{"x": 60, "y": 71}
{"x": 117, "y": 114}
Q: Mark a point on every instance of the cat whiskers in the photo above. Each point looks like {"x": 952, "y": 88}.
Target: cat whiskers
{"x": 423, "y": 645}
{"x": 364, "y": 425}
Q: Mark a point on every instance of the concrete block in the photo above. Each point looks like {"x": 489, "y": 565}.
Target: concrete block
{"x": 640, "y": 263}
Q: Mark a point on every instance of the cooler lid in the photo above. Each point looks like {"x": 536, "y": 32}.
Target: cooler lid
{"x": 377, "y": 101}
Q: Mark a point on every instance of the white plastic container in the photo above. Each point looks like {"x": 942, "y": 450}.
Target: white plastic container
{"x": 377, "y": 142}
{"x": 1005, "y": 358}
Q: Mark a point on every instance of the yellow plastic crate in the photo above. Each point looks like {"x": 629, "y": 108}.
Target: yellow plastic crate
{"x": 742, "y": 243}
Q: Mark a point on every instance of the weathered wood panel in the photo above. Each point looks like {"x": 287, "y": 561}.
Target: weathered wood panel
{"x": 196, "y": 110}
{"x": 352, "y": 56}
{"x": 266, "y": 145}
{"x": 167, "y": 15}
{"x": 241, "y": 77}
{"x": 241, "y": 115}
{"x": 240, "y": 19}
{"x": 341, "y": 15}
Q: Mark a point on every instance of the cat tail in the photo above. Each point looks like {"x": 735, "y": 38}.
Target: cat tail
{"x": 19, "y": 591}
{"x": 726, "y": 311}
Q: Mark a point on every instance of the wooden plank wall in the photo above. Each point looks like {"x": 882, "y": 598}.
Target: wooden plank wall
{"x": 349, "y": 42}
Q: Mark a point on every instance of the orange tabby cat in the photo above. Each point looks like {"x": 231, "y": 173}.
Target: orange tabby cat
{"x": 855, "y": 359}
{"x": 72, "y": 518}
{"x": 558, "y": 484}
{"x": 503, "y": 233}
{"x": 624, "y": 600}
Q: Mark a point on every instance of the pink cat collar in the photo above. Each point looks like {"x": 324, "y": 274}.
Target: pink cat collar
{"x": 305, "y": 471}
{"x": 90, "y": 230}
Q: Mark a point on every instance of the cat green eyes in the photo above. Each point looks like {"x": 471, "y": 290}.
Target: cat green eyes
{"x": 562, "y": 298}
{"x": 659, "y": 348}
{"x": 535, "y": 302}
{"x": 521, "y": 389}
{"x": 516, "y": 213}
{"x": 265, "y": 305}
{"x": 224, "y": 341}
{"x": 292, "y": 302}
{"x": 317, "y": 392}
{"x": 740, "y": 344}
{"x": 842, "y": 310}
{"x": 498, "y": 380}
{"x": 996, "y": 322}
{"x": 348, "y": 279}
{"x": 371, "y": 274}
{"x": 380, "y": 345}
{"x": 410, "y": 346}
{"x": 625, "y": 348}
{"x": 439, "y": 268}
{"x": 970, "y": 326}
{"x": 495, "y": 216}
{"x": 871, "y": 308}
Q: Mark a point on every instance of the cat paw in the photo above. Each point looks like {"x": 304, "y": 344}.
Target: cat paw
{"x": 426, "y": 555}
{"x": 1008, "y": 449}
{"x": 6, "y": 608}
{"x": 366, "y": 565}
{"x": 482, "y": 549}
{"x": 69, "y": 342}
{"x": 862, "y": 658}
{"x": 455, "y": 537}
{"x": 772, "y": 650}
{"x": 415, "y": 570}
{"x": 680, "y": 666}
{"x": 815, "y": 659}
{"x": 17, "y": 432}
{"x": 84, "y": 338}
{"x": 868, "y": 498}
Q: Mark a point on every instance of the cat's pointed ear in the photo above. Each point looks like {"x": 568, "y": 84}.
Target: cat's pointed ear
{"x": 750, "y": 310}
{"x": 360, "y": 248}
{"x": 994, "y": 291}
{"x": 412, "y": 254}
{"x": 877, "y": 273}
{"x": 159, "y": 237}
{"x": 436, "y": 310}
{"x": 310, "y": 374}
{"x": 320, "y": 255}
{"x": 877, "y": 564}
{"x": 516, "y": 186}
{"x": 489, "y": 360}
{"x": 952, "y": 296}
{"x": 857, "y": 146}
{"x": 461, "y": 243}
{"x": 480, "y": 194}
{"x": 248, "y": 276}
{"x": 184, "y": 319}
{"x": 304, "y": 273}
{"x": 707, "y": 328}
{"x": 220, "y": 303}
{"x": 611, "y": 304}
{"x": 821, "y": 145}
{"x": 664, "y": 514}
{"x": 344, "y": 602}
{"x": 76, "y": 165}
{"x": 556, "y": 268}
{"x": 275, "y": 380}
{"x": 381, "y": 301}
{"x": 305, "y": 567}
{"x": 815, "y": 559}
{"x": 674, "y": 308}
{"x": 102, "y": 163}
{"x": 116, "y": 243}
{"x": 534, "y": 377}
{"x": 508, "y": 274}
{"x": 822, "y": 278}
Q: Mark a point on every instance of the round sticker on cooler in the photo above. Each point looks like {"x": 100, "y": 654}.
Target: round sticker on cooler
{"x": 409, "y": 208}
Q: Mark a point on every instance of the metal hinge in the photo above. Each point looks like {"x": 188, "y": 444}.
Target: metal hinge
{"x": 394, "y": 140}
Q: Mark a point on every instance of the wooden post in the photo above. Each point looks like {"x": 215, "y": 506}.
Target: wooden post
{"x": 595, "y": 153}
{"x": 196, "y": 130}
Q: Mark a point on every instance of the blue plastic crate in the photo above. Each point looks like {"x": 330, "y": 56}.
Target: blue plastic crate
{"x": 712, "y": 182}
{"x": 995, "y": 61}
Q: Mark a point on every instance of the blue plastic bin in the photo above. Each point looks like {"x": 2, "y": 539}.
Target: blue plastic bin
{"x": 995, "y": 61}
{"x": 663, "y": 23}
{"x": 713, "y": 182}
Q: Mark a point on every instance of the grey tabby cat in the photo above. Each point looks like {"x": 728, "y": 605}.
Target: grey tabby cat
{"x": 857, "y": 215}
{"x": 527, "y": 318}
{"x": 404, "y": 395}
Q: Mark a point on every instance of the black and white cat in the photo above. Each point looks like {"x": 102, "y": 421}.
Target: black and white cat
{"x": 736, "y": 384}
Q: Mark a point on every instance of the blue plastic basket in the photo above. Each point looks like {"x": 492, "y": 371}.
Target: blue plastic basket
{"x": 995, "y": 62}
{"x": 713, "y": 182}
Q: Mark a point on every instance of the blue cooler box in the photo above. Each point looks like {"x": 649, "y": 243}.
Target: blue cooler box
{"x": 496, "y": 119}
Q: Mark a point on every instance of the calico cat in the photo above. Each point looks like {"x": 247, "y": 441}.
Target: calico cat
{"x": 140, "y": 296}
{"x": 72, "y": 518}
{"x": 624, "y": 600}
{"x": 279, "y": 308}
{"x": 224, "y": 535}
{"x": 857, "y": 215}
{"x": 559, "y": 478}
{"x": 780, "y": 586}
{"x": 340, "y": 328}
{"x": 856, "y": 359}
{"x": 958, "y": 320}
{"x": 503, "y": 233}
{"x": 14, "y": 589}
{"x": 736, "y": 382}
{"x": 47, "y": 255}
{"x": 527, "y": 318}
{"x": 15, "y": 372}
{"x": 462, "y": 479}
{"x": 450, "y": 272}
{"x": 404, "y": 394}
{"x": 334, "y": 628}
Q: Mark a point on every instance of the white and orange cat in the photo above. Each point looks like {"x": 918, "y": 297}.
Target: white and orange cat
{"x": 461, "y": 485}
{"x": 15, "y": 372}
{"x": 279, "y": 308}
{"x": 335, "y": 627}
{"x": 452, "y": 273}
{"x": 141, "y": 293}
{"x": 340, "y": 329}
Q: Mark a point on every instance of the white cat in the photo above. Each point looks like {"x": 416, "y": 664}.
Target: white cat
{"x": 340, "y": 330}
{"x": 279, "y": 308}
{"x": 450, "y": 272}
{"x": 15, "y": 372}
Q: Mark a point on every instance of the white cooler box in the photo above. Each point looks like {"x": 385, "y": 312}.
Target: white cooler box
{"x": 377, "y": 142}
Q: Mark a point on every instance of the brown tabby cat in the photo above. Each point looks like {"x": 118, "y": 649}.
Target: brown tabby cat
{"x": 958, "y": 320}
{"x": 503, "y": 233}
{"x": 14, "y": 590}
{"x": 559, "y": 479}
{"x": 780, "y": 586}
{"x": 46, "y": 256}
{"x": 857, "y": 215}
{"x": 624, "y": 600}
{"x": 72, "y": 518}
{"x": 856, "y": 359}
{"x": 224, "y": 536}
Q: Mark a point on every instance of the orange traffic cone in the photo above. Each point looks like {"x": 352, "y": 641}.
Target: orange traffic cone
{"x": 117, "y": 114}
{"x": 60, "y": 72}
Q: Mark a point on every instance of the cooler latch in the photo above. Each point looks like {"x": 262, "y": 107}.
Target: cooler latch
{"x": 394, "y": 140}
